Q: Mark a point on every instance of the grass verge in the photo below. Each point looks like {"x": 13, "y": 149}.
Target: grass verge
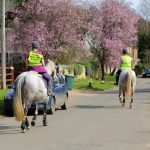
{"x": 2, "y": 94}
{"x": 96, "y": 84}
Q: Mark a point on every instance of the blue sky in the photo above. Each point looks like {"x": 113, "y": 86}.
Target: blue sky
{"x": 135, "y": 3}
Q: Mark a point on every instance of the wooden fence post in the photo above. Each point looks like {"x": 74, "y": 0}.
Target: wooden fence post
{"x": 9, "y": 76}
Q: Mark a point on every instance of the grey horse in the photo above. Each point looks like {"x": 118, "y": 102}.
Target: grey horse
{"x": 30, "y": 86}
{"x": 127, "y": 83}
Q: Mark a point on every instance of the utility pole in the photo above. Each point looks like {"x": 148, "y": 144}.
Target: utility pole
{"x": 3, "y": 46}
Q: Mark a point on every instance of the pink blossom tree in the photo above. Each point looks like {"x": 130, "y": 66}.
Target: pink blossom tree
{"x": 56, "y": 24}
{"x": 112, "y": 26}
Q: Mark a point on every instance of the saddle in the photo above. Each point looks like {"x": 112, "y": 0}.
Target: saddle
{"x": 36, "y": 73}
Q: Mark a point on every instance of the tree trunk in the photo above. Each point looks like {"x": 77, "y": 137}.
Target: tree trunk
{"x": 102, "y": 71}
{"x": 112, "y": 73}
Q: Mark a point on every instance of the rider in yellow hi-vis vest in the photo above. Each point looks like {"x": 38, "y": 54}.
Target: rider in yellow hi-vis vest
{"x": 126, "y": 64}
{"x": 34, "y": 59}
{"x": 36, "y": 63}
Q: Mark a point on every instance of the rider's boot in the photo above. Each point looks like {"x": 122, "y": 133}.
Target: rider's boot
{"x": 49, "y": 88}
{"x": 117, "y": 80}
{"x": 117, "y": 76}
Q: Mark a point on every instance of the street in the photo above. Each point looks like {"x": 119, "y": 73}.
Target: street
{"x": 93, "y": 121}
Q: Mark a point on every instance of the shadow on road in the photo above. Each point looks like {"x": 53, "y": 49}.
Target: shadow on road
{"x": 116, "y": 91}
{"x": 136, "y": 91}
{"x": 95, "y": 107}
{"x": 142, "y": 90}
{"x": 9, "y": 129}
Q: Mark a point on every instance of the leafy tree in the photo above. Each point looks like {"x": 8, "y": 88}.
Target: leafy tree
{"x": 143, "y": 43}
{"x": 144, "y": 33}
{"x": 111, "y": 27}
{"x": 56, "y": 24}
{"x": 16, "y": 1}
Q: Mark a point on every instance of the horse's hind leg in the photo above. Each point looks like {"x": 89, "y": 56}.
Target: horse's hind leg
{"x": 34, "y": 118}
{"x": 35, "y": 115}
{"x": 25, "y": 122}
{"x": 23, "y": 126}
{"x": 123, "y": 103}
{"x": 44, "y": 113}
{"x": 131, "y": 103}
{"x": 120, "y": 94}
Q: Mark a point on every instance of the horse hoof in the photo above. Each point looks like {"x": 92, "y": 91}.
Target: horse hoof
{"x": 33, "y": 123}
{"x": 23, "y": 126}
{"x": 131, "y": 106}
{"x": 123, "y": 105}
{"x": 28, "y": 127}
{"x": 44, "y": 123}
{"x": 24, "y": 131}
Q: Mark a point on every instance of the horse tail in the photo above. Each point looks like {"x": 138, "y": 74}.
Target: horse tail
{"x": 17, "y": 100}
{"x": 129, "y": 84}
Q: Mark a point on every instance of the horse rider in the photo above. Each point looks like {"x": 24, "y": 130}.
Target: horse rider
{"x": 35, "y": 62}
{"x": 126, "y": 64}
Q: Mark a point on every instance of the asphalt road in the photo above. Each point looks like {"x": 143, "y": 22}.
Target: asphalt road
{"x": 93, "y": 121}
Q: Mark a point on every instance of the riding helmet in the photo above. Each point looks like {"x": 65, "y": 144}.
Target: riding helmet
{"x": 125, "y": 51}
{"x": 35, "y": 44}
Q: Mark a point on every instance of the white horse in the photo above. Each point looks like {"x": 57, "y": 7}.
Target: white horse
{"x": 127, "y": 83}
{"x": 30, "y": 86}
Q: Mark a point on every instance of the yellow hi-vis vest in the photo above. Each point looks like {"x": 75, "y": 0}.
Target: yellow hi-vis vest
{"x": 126, "y": 62}
{"x": 34, "y": 59}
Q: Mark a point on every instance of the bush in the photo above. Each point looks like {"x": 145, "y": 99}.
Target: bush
{"x": 78, "y": 69}
{"x": 2, "y": 94}
{"x": 139, "y": 69}
{"x": 70, "y": 69}
{"x": 109, "y": 77}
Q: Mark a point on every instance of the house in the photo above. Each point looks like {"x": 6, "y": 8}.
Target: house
{"x": 134, "y": 54}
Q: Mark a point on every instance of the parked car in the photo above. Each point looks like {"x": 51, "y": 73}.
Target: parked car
{"x": 146, "y": 73}
{"x": 59, "y": 99}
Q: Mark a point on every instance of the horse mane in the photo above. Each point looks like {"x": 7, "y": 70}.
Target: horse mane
{"x": 51, "y": 68}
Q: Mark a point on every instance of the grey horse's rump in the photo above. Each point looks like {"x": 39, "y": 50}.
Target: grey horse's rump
{"x": 29, "y": 86}
{"x": 127, "y": 83}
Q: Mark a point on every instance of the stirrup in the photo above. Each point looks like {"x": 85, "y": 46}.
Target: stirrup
{"x": 50, "y": 93}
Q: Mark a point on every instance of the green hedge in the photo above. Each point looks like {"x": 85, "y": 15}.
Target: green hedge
{"x": 139, "y": 69}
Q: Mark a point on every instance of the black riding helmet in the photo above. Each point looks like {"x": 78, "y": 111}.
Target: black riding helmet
{"x": 125, "y": 51}
{"x": 35, "y": 44}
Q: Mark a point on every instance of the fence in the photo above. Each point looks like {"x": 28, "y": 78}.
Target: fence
{"x": 9, "y": 76}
